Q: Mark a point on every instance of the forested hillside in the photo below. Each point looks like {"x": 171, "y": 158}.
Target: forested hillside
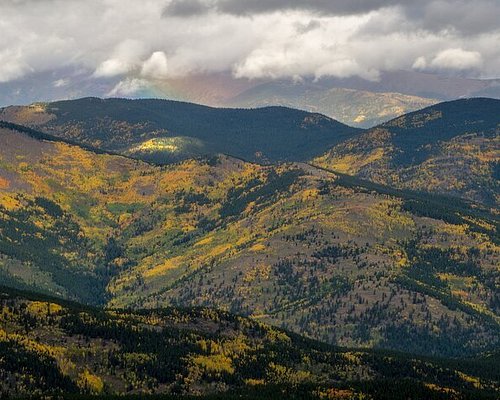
{"x": 340, "y": 260}
{"x": 451, "y": 148}
{"x": 167, "y": 131}
{"x": 49, "y": 347}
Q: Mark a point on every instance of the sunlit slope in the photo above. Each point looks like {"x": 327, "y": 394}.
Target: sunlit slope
{"x": 51, "y": 347}
{"x": 290, "y": 245}
{"x": 451, "y": 148}
{"x": 358, "y": 108}
{"x": 168, "y": 131}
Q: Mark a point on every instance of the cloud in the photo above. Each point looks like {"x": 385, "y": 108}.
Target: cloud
{"x": 458, "y": 59}
{"x": 60, "y": 83}
{"x": 138, "y": 43}
{"x": 126, "y": 57}
{"x": 156, "y": 66}
{"x": 128, "y": 87}
{"x": 184, "y": 8}
{"x": 310, "y": 26}
{"x": 420, "y": 63}
{"x": 12, "y": 65}
{"x": 112, "y": 67}
{"x": 468, "y": 17}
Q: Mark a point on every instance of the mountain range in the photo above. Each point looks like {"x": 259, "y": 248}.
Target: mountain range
{"x": 385, "y": 238}
{"x": 166, "y": 131}
{"x": 450, "y": 148}
{"x": 353, "y": 101}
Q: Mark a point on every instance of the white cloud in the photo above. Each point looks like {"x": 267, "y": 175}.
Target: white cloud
{"x": 156, "y": 66}
{"x": 457, "y": 59}
{"x": 128, "y": 87}
{"x": 60, "y": 83}
{"x": 112, "y": 67}
{"x": 140, "y": 40}
{"x": 126, "y": 57}
{"x": 12, "y": 66}
{"x": 420, "y": 63}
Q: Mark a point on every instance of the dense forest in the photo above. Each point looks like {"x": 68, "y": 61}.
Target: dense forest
{"x": 49, "y": 346}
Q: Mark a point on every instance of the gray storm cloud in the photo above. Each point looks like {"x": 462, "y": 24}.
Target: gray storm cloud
{"x": 248, "y": 7}
{"x": 145, "y": 41}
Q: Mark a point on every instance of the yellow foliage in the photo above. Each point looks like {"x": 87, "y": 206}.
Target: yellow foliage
{"x": 482, "y": 223}
{"x": 90, "y": 383}
{"x": 169, "y": 264}
{"x": 38, "y": 308}
{"x": 351, "y": 163}
{"x": 352, "y": 357}
{"x": 263, "y": 271}
{"x": 258, "y": 247}
{"x": 442, "y": 389}
{"x": 276, "y": 336}
{"x": 281, "y": 374}
{"x": 218, "y": 250}
{"x": 9, "y": 202}
{"x": 454, "y": 229}
{"x": 205, "y": 241}
{"x": 401, "y": 259}
{"x": 31, "y": 345}
{"x": 336, "y": 394}
{"x": 310, "y": 194}
{"x": 214, "y": 364}
{"x": 23, "y": 166}
{"x": 470, "y": 379}
{"x": 255, "y": 382}
{"x": 4, "y": 183}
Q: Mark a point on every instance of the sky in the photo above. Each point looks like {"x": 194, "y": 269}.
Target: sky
{"x": 138, "y": 42}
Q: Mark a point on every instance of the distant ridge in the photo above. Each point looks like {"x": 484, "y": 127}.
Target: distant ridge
{"x": 451, "y": 148}
{"x": 168, "y": 131}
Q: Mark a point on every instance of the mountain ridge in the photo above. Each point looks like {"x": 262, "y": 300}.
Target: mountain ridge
{"x": 166, "y": 131}
{"x": 289, "y": 245}
{"x": 210, "y": 354}
{"x": 417, "y": 150}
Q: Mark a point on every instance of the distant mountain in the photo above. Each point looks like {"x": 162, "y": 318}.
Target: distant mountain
{"x": 353, "y": 101}
{"x": 167, "y": 131}
{"x": 50, "y": 347}
{"x": 421, "y": 84}
{"x": 354, "y": 107}
{"x": 362, "y": 103}
{"x": 325, "y": 255}
{"x": 451, "y": 148}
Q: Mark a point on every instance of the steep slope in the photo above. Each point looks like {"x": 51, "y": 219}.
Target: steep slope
{"x": 358, "y": 108}
{"x": 166, "y": 131}
{"x": 50, "y": 347}
{"x": 451, "y": 148}
{"x": 290, "y": 245}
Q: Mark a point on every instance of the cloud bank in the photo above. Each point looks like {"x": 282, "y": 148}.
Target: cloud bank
{"x": 145, "y": 41}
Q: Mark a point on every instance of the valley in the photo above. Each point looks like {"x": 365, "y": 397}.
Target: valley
{"x": 291, "y": 245}
{"x": 337, "y": 248}
{"x": 249, "y": 200}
